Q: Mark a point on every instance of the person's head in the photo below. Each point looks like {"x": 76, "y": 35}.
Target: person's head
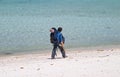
{"x": 52, "y": 30}
{"x": 59, "y": 29}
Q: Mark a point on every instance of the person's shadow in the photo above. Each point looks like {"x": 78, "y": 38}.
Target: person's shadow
{"x": 56, "y": 58}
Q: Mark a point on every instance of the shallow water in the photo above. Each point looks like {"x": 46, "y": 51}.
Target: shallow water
{"x": 25, "y": 24}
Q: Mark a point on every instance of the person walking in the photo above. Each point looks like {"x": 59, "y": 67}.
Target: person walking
{"x": 57, "y": 40}
{"x": 61, "y": 41}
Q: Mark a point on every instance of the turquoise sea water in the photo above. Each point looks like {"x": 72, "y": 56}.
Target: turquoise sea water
{"x": 25, "y": 24}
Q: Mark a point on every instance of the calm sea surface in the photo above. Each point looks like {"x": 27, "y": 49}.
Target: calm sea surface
{"x": 25, "y": 24}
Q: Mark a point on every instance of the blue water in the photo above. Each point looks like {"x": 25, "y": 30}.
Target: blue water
{"x": 25, "y": 24}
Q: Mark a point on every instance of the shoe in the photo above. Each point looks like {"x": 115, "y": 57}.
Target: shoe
{"x": 65, "y": 56}
{"x": 52, "y": 58}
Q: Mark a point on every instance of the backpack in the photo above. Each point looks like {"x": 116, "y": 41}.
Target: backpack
{"x": 53, "y": 38}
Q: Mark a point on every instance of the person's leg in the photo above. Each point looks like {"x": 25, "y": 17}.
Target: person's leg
{"x": 62, "y": 51}
{"x": 54, "y": 51}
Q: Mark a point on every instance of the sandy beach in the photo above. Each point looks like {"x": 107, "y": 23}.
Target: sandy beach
{"x": 25, "y": 48}
{"x": 80, "y": 63}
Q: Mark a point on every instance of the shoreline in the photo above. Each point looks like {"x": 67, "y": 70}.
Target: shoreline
{"x": 68, "y": 50}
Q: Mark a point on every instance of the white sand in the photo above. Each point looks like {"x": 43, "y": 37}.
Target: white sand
{"x": 96, "y": 63}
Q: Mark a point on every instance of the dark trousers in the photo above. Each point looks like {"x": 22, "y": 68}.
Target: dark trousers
{"x": 55, "y": 49}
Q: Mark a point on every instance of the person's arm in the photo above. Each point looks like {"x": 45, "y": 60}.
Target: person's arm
{"x": 50, "y": 37}
{"x": 62, "y": 44}
{"x": 61, "y": 40}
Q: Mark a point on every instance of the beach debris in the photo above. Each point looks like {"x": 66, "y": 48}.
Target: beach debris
{"x": 104, "y": 56}
{"x": 38, "y": 69}
{"x": 8, "y": 53}
{"x": 21, "y": 67}
{"x": 111, "y": 49}
{"x": 100, "y": 50}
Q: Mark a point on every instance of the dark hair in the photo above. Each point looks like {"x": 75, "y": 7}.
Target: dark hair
{"x": 53, "y": 28}
{"x": 59, "y": 29}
